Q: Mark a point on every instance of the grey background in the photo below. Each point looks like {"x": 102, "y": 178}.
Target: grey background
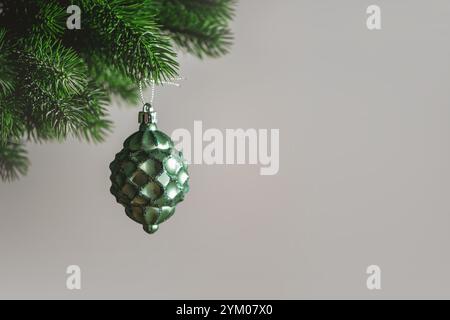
{"x": 364, "y": 178}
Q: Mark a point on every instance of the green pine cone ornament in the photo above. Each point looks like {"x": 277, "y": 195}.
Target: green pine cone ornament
{"x": 149, "y": 176}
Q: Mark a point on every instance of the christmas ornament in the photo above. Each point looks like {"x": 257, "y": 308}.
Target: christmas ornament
{"x": 149, "y": 176}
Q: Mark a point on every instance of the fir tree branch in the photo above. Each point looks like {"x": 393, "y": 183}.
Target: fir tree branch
{"x": 97, "y": 126}
{"x": 125, "y": 33}
{"x": 12, "y": 124}
{"x": 50, "y": 68}
{"x": 81, "y": 116}
{"x": 7, "y": 74}
{"x": 198, "y": 26}
{"x": 13, "y": 161}
{"x": 50, "y": 19}
{"x": 112, "y": 80}
{"x": 56, "y": 83}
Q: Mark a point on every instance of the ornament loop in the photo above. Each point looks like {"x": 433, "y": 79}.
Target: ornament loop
{"x": 147, "y": 107}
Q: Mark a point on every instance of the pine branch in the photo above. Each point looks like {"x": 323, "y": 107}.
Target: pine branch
{"x": 7, "y": 74}
{"x": 51, "y": 69}
{"x": 198, "y": 26}
{"x": 82, "y": 116}
{"x": 97, "y": 125}
{"x": 112, "y": 80}
{"x": 12, "y": 124}
{"x": 125, "y": 33}
{"x": 56, "y": 83}
{"x": 50, "y": 19}
{"x": 13, "y": 161}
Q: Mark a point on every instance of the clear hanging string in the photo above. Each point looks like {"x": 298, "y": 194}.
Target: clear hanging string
{"x": 171, "y": 81}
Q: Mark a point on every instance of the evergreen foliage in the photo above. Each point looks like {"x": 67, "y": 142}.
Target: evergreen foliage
{"x": 56, "y": 83}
